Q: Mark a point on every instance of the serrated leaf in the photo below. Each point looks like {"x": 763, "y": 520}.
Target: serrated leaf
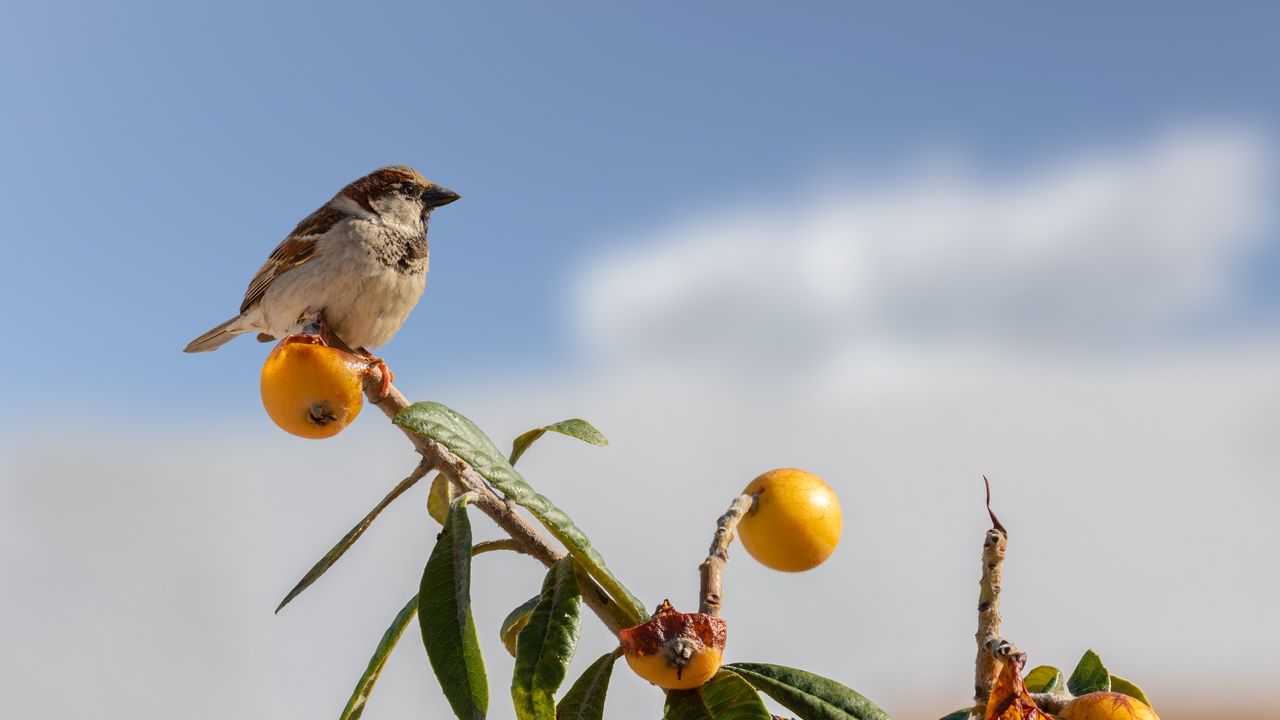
{"x": 462, "y": 437}
{"x": 360, "y": 696}
{"x": 546, "y": 644}
{"x": 440, "y": 498}
{"x": 515, "y": 621}
{"x": 809, "y": 696}
{"x": 574, "y": 428}
{"x": 1128, "y": 687}
{"x": 585, "y": 699}
{"x": 350, "y": 538}
{"x": 958, "y": 715}
{"x": 1089, "y": 676}
{"x": 726, "y": 696}
{"x": 1043, "y": 679}
{"x": 444, "y": 614}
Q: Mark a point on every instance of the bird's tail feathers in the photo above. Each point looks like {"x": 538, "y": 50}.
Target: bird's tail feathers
{"x": 217, "y": 337}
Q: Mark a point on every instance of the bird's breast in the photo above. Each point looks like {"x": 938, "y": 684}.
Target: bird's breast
{"x": 404, "y": 252}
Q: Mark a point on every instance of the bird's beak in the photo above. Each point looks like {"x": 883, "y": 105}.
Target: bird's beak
{"x": 435, "y": 196}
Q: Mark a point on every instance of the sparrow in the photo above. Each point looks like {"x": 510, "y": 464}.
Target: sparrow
{"x": 358, "y": 265}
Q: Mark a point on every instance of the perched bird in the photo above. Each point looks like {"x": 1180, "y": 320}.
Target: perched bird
{"x": 358, "y": 264}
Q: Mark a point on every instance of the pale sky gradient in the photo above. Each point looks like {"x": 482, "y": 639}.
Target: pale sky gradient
{"x": 901, "y": 248}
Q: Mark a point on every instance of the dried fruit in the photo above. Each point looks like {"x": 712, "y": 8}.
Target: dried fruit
{"x": 1009, "y": 697}
{"x": 1107, "y": 706}
{"x": 675, "y": 650}
{"x": 795, "y": 522}
{"x": 310, "y": 389}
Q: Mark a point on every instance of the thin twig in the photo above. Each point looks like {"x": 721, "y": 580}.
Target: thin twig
{"x": 987, "y": 666}
{"x": 712, "y": 569}
{"x": 485, "y": 546}
{"x": 528, "y": 538}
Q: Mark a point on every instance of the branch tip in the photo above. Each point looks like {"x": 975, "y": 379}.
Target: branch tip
{"x": 995, "y": 521}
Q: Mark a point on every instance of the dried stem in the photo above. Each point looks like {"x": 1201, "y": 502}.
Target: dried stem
{"x": 712, "y": 569}
{"x": 526, "y": 537}
{"x": 988, "y": 663}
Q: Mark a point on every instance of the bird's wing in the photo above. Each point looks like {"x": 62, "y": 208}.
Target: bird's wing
{"x": 293, "y": 251}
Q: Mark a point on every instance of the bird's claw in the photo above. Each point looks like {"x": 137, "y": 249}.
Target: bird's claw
{"x": 384, "y": 387}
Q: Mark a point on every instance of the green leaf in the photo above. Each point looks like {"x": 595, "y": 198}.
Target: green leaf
{"x": 444, "y": 613}
{"x": 809, "y": 696}
{"x": 350, "y": 538}
{"x": 360, "y": 696}
{"x": 1089, "y": 676}
{"x": 462, "y": 437}
{"x": 515, "y": 621}
{"x": 959, "y": 714}
{"x": 546, "y": 644}
{"x": 574, "y": 428}
{"x": 585, "y": 699}
{"x": 724, "y": 697}
{"x": 1128, "y": 687}
{"x": 1043, "y": 679}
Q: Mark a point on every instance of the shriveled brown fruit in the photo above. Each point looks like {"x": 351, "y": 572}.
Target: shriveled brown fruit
{"x": 1009, "y": 697}
{"x": 674, "y": 650}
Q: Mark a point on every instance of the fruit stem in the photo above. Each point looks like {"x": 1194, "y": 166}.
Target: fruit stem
{"x": 712, "y": 569}
{"x": 1052, "y": 702}
{"x": 987, "y": 666}
{"x": 530, "y": 541}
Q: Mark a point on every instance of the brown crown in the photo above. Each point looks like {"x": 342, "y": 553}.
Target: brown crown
{"x": 379, "y": 182}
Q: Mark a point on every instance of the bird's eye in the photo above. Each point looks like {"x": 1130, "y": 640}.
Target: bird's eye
{"x": 411, "y": 189}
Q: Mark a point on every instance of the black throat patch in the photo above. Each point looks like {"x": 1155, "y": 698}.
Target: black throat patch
{"x": 405, "y": 253}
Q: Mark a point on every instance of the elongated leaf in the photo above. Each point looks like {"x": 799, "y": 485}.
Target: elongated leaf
{"x": 444, "y": 613}
{"x": 574, "y": 428}
{"x": 809, "y": 696}
{"x": 464, "y": 439}
{"x": 360, "y": 696}
{"x": 546, "y": 644}
{"x": 1128, "y": 687}
{"x": 585, "y": 699}
{"x": 958, "y": 715}
{"x": 515, "y": 621}
{"x": 1089, "y": 676}
{"x": 724, "y": 697}
{"x": 1043, "y": 679}
{"x": 350, "y": 538}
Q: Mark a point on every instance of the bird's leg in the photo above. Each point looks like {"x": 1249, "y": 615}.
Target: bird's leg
{"x": 384, "y": 389}
{"x": 313, "y": 323}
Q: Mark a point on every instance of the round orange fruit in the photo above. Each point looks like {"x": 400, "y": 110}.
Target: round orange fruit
{"x": 795, "y": 521}
{"x": 310, "y": 389}
{"x": 1107, "y": 706}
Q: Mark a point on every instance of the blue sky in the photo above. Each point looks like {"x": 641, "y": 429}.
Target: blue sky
{"x": 155, "y": 153}
{"x": 898, "y": 246}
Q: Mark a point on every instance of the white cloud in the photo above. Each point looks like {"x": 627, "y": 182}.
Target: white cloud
{"x": 1095, "y": 249}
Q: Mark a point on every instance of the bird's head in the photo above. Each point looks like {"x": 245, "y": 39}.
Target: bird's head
{"x": 398, "y": 195}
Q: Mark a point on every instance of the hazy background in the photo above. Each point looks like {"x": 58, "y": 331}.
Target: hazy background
{"x": 899, "y": 247}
